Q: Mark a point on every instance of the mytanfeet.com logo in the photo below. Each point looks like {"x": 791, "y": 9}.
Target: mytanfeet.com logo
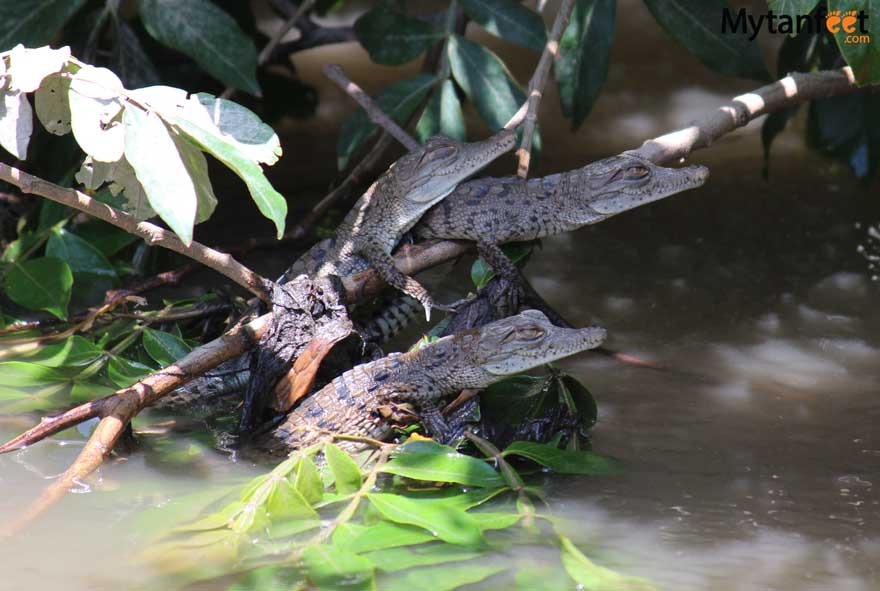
{"x": 853, "y": 24}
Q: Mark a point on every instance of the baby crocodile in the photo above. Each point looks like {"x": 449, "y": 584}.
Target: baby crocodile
{"x": 494, "y": 211}
{"x": 352, "y": 404}
{"x": 392, "y": 205}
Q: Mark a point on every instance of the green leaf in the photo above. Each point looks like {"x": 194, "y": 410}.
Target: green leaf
{"x": 346, "y": 473}
{"x": 584, "y": 54}
{"x": 449, "y": 524}
{"x": 224, "y": 139}
{"x": 95, "y": 104}
{"x": 397, "y": 559}
{"x": 392, "y": 38}
{"x": 124, "y": 372}
{"x": 443, "y": 115}
{"x": 695, "y": 25}
{"x": 16, "y": 122}
{"x": 71, "y": 352}
{"x": 197, "y": 169}
{"x": 52, "y": 106}
{"x": 93, "y": 274}
{"x": 398, "y": 101}
{"x": 330, "y": 567}
{"x": 157, "y": 162}
{"x": 860, "y": 53}
{"x": 546, "y": 578}
{"x": 129, "y": 59}
{"x": 164, "y": 347}
{"x": 509, "y": 20}
{"x": 35, "y": 22}
{"x": 308, "y": 481}
{"x": 207, "y": 34}
{"x": 482, "y": 273}
{"x": 496, "y": 520}
{"x": 387, "y": 534}
{"x": 485, "y": 80}
{"x": 561, "y": 460}
{"x": 106, "y": 238}
{"x": 591, "y": 576}
{"x": 268, "y": 578}
{"x": 442, "y": 578}
{"x": 432, "y": 462}
{"x": 792, "y": 8}
{"x": 28, "y": 375}
{"x": 84, "y": 391}
{"x": 41, "y": 284}
{"x": 286, "y": 503}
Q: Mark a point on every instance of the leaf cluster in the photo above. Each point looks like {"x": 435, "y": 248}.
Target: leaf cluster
{"x": 428, "y": 517}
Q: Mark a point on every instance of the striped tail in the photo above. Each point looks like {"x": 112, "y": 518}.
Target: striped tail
{"x": 393, "y": 318}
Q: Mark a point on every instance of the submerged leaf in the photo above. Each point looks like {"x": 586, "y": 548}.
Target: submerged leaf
{"x": 398, "y": 559}
{"x": 442, "y": 578}
{"x": 594, "y": 577}
{"x": 330, "y": 567}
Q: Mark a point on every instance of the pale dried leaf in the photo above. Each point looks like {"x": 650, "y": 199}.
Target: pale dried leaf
{"x": 28, "y": 67}
{"x": 16, "y": 122}
{"x": 51, "y": 104}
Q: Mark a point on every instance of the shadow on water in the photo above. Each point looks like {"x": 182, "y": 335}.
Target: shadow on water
{"x": 752, "y": 463}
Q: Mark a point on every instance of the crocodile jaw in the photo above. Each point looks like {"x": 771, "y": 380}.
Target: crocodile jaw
{"x": 668, "y": 181}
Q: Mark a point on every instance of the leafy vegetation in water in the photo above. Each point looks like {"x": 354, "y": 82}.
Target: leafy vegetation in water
{"x": 421, "y": 516}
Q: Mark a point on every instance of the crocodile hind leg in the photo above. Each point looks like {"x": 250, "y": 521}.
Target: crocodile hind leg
{"x": 384, "y": 264}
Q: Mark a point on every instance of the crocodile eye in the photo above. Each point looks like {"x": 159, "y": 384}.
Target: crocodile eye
{"x": 439, "y": 154}
{"x": 637, "y": 172}
{"x": 530, "y": 334}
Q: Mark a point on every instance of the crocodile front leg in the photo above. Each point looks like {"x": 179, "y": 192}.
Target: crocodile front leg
{"x": 384, "y": 265}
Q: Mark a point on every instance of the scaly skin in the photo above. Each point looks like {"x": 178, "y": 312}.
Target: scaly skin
{"x": 495, "y": 211}
{"x": 350, "y": 404}
{"x": 392, "y": 205}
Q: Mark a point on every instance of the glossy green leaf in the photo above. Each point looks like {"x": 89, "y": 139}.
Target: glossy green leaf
{"x": 286, "y": 503}
{"x": 392, "y": 38}
{"x": 307, "y": 481}
{"x": 164, "y": 347}
{"x": 398, "y": 559}
{"x": 584, "y": 54}
{"x": 482, "y": 273}
{"x": 591, "y": 576}
{"x": 486, "y": 81}
{"x": 72, "y": 351}
{"x": 28, "y": 375}
{"x": 153, "y": 154}
{"x": 347, "y": 475}
{"x": 860, "y": 50}
{"x": 93, "y": 274}
{"x": 792, "y": 8}
{"x": 35, "y": 22}
{"x": 578, "y": 400}
{"x": 442, "y": 578}
{"x": 457, "y": 499}
{"x": 225, "y": 147}
{"x": 449, "y": 524}
{"x": 695, "y": 24}
{"x": 561, "y": 460}
{"x": 398, "y": 101}
{"x": 124, "y": 372}
{"x": 443, "y": 115}
{"x": 208, "y": 35}
{"x": 41, "y": 284}
{"x": 432, "y": 462}
{"x": 16, "y": 122}
{"x": 509, "y": 20}
{"x": 329, "y": 567}
{"x": 387, "y": 534}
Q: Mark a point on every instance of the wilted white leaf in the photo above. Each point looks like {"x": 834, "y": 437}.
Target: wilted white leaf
{"x": 125, "y": 181}
{"x": 50, "y": 100}
{"x": 151, "y": 151}
{"x": 94, "y": 108}
{"x": 92, "y": 175}
{"x": 16, "y": 122}
{"x": 28, "y": 67}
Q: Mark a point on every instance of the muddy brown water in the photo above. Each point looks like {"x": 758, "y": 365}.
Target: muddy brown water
{"x": 752, "y": 462}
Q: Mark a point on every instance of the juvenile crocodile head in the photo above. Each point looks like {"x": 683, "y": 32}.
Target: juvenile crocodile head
{"x": 427, "y": 175}
{"x": 525, "y": 341}
{"x": 624, "y": 182}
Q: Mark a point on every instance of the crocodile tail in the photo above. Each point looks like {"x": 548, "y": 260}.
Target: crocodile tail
{"x": 204, "y": 392}
{"x": 391, "y": 319}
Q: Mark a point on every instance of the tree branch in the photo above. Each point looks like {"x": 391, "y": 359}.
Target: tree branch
{"x": 151, "y": 233}
{"x": 794, "y": 88}
{"x": 536, "y": 89}
{"x": 376, "y": 115}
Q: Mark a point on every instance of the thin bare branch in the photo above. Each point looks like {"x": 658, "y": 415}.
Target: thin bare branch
{"x": 376, "y": 115}
{"x": 536, "y": 88}
{"x": 151, "y": 233}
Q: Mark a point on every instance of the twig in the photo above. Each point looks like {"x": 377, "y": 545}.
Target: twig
{"x": 795, "y": 88}
{"x": 536, "y": 89}
{"x": 151, "y": 233}
{"x": 511, "y": 476}
{"x": 367, "y": 163}
{"x": 337, "y": 75}
{"x": 118, "y": 409}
